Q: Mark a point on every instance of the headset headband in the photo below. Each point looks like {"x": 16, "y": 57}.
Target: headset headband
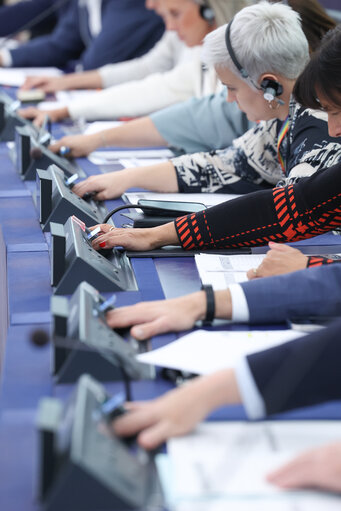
{"x": 234, "y": 59}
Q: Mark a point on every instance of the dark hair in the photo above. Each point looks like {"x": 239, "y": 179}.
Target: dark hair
{"x": 322, "y": 75}
{"x": 314, "y": 19}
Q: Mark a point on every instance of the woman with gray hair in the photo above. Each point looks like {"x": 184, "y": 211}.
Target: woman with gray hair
{"x": 257, "y": 56}
{"x": 170, "y": 73}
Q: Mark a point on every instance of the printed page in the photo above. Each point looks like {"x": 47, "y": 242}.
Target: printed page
{"x": 203, "y": 352}
{"x": 221, "y": 271}
{"x": 225, "y": 462}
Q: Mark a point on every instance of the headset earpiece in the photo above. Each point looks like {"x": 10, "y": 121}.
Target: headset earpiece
{"x": 271, "y": 89}
{"x": 207, "y": 13}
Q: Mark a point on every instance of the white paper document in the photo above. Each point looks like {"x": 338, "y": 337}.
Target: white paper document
{"x": 203, "y": 352}
{"x": 108, "y": 157}
{"x": 208, "y": 199}
{"x": 15, "y": 76}
{"x": 136, "y": 162}
{"x": 229, "y": 461}
{"x": 221, "y": 271}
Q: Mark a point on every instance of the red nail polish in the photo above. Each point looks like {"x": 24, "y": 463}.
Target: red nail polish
{"x": 102, "y": 244}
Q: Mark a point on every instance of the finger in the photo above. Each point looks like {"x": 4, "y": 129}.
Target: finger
{"x": 133, "y": 315}
{"x": 155, "y": 435}
{"x": 297, "y": 473}
{"x": 102, "y": 241}
{"x": 103, "y": 196}
{"x": 133, "y": 422}
{"x": 252, "y": 274}
{"x": 150, "y": 329}
{"x": 85, "y": 186}
{"x": 29, "y": 83}
{"x": 280, "y": 247}
{"x": 55, "y": 147}
{"x": 27, "y": 113}
{"x": 38, "y": 121}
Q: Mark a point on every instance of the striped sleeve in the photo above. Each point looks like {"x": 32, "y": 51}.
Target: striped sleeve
{"x": 320, "y": 261}
{"x": 296, "y": 212}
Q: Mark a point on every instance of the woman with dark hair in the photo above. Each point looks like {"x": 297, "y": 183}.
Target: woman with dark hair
{"x": 319, "y": 86}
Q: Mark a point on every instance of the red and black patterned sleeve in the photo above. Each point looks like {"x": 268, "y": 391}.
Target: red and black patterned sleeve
{"x": 320, "y": 260}
{"x": 292, "y": 213}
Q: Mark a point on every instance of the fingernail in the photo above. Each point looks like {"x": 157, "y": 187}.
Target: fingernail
{"x": 102, "y": 244}
{"x": 138, "y": 333}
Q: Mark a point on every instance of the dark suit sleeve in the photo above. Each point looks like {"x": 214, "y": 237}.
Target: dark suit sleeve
{"x": 14, "y": 17}
{"x": 309, "y": 292}
{"x": 57, "y": 49}
{"x": 128, "y": 30}
{"x": 300, "y": 373}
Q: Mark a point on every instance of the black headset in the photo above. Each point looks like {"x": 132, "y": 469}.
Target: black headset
{"x": 207, "y": 13}
{"x": 271, "y": 88}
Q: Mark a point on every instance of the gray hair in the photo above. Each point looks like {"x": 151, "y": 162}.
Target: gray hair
{"x": 224, "y": 10}
{"x": 265, "y": 38}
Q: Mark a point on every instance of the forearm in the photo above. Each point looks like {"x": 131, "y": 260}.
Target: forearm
{"x": 288, "y": 214}
{"x": 138, "y": 133}
{"x": 156, "y": 178}
{"x": 217, "y": 389}
{"x": 59, "y": 114}
{"x": 85, "y": 80}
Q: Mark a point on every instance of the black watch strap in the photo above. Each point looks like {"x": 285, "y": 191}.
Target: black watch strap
{"x": 210, "y": 305}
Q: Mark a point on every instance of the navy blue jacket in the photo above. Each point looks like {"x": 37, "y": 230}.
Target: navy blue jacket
{"x": 310, "y": 292}
{"x": 14, "y": 17}
{"x": 128, "y": 30}
{"x": 300, "y": 373}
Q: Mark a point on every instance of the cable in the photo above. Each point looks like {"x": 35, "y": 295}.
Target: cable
{"x": 129, "y": 206}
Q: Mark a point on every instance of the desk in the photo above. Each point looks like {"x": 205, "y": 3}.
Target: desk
{"x": 24, "y": 261}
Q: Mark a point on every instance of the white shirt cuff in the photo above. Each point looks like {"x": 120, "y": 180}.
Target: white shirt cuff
{"x": 6, "y": 57}
{"x": 251, "y": 397}
{"x": 240, "y": 308}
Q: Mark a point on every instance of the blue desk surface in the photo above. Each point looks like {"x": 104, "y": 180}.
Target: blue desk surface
{"x": 26, "y": 374}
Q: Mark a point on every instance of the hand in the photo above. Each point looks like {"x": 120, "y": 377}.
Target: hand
{"x": 175, "y": 315}
{"x": 318, "y": 468}
{"x": 34, "y": 114}
{"x": 177, "y": 412}
{"x": 153, "y": 318}
{"x": 38, "y": 116}
{"x": 280, "y": 259}
{"x": 47, "y": 84}
{"x": 80, "y": 145}
{"x": 106, "y": 186}
{"x": 135, "y": 239}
